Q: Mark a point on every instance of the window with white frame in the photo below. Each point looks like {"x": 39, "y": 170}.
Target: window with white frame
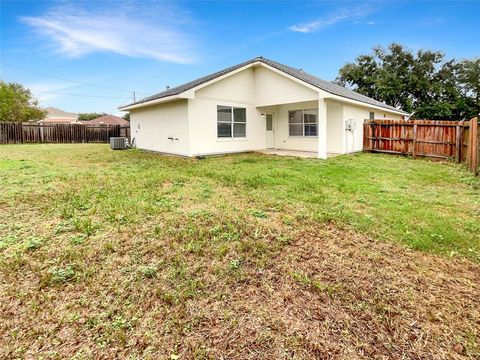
{"x": 303, "y": 122}
{"x": 231, "y": 122}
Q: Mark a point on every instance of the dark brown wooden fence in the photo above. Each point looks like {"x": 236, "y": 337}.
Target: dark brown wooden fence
{"x": 14, "y": 133}
{"x": 456, "y": 140}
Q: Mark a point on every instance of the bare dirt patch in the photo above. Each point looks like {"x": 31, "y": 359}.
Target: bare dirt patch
{"x": 341, "y": 295}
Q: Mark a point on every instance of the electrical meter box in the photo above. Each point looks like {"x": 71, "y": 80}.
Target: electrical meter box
{"x": 350, "y": 124}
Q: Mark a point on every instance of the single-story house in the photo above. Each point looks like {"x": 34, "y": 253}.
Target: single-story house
{"x": 256, "y": 105}
{"x": 57, "y": 116}
{"x": 108, "y": 120}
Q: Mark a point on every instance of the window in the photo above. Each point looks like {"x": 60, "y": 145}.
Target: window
{"x": 269, "y": 122}
{"x": 302, "y": 122}
{"x": 231, "y": 122}
{"x": 372, "y": 115}
{"x": 295, "y": 123}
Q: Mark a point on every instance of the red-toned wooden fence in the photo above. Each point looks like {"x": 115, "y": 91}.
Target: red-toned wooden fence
{"x": 456, "y": 140}
{"x": 14, "y": 133}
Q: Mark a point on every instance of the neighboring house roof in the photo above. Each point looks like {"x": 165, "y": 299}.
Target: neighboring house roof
{"x": 296, "y": 73}
{"x": 107, "y": 120}
{"x": 59, "y": 120}
{"x": 57, "y": 113}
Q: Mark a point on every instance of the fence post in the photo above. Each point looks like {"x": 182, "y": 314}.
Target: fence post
{"x": 458, "y": 142}
{"x": 22, "y": 135}
{"x": 365, "y": 136}
{"x": 478, "y": 148}
{"x": 414, "y": 146}
{"x": 474, "y": 139}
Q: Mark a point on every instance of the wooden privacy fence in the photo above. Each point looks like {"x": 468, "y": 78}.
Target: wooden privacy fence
{"x": 456, "y": 140}
{"x": 14, "y": 133}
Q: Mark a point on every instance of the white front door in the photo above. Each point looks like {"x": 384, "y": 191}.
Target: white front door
{"x": 270, "y": 130}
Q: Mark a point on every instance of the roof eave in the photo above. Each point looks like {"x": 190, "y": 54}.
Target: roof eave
{"x": 190, "y": 93}
{"x": 365, "y": 104}
{"x": 339, "y": 97}
{"x": 187, "y": 94}
{"x": 161, "y": 100}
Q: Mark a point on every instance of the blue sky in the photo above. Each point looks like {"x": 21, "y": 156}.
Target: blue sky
{"x": 142, "y": 46}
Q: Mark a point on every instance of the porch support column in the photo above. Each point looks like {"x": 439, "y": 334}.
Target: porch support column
{"x": 322, "y": 129}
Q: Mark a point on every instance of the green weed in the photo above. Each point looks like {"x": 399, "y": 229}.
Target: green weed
{"x": 62, "y": 275}
{"x": 33, "y": 243}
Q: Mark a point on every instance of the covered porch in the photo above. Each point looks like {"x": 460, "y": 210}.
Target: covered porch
{"x": 307, "y": 129}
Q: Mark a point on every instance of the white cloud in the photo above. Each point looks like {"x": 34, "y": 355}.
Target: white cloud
{"x": 342, "y": 15}
{"x": 145, "y": 30}
{"x": 46, "y": 91}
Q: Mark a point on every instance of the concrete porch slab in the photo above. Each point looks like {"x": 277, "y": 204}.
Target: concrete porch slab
{"x": 293, "y": 153}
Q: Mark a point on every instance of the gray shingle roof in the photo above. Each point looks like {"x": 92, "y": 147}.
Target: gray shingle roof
{"x": 297, "y": 73}
{"x": 54, "y": 112}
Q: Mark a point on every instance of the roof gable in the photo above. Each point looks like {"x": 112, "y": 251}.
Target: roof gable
{"x": 293, "y": 72}
{"x": 239, "y": 85}
{"x": 53, "y": 112}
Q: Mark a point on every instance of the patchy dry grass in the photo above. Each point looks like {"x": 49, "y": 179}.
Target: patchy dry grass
{"x": 134, "y": 255}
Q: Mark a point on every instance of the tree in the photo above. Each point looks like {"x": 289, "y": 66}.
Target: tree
{"x": 422, "y": 83}
{"x": 126, "y": 116}
{"x": 18, "y": 104}
{"x": 89, "y": 116}
{"x": 469, "y": 78}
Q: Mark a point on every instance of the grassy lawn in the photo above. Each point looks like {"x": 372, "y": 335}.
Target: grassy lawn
{"x": 133, "y": 254}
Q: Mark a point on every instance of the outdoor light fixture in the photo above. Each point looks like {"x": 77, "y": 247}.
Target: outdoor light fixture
{"x": 263, "y": 115}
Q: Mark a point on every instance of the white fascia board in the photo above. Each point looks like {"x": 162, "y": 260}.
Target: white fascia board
{"x": 152, "y": 102}
{"x": 364, "y": 104}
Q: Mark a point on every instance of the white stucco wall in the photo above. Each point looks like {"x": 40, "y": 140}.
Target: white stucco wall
{"x": 151, "y": 126}
{"x": 272, "y": 88}
{"x": 354, "y": 140}
{"x": 239, "y": 87}
{"x": 237, "y": 90}
{"x": 203, "y": 129}
{"x": 335, "y": 128}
